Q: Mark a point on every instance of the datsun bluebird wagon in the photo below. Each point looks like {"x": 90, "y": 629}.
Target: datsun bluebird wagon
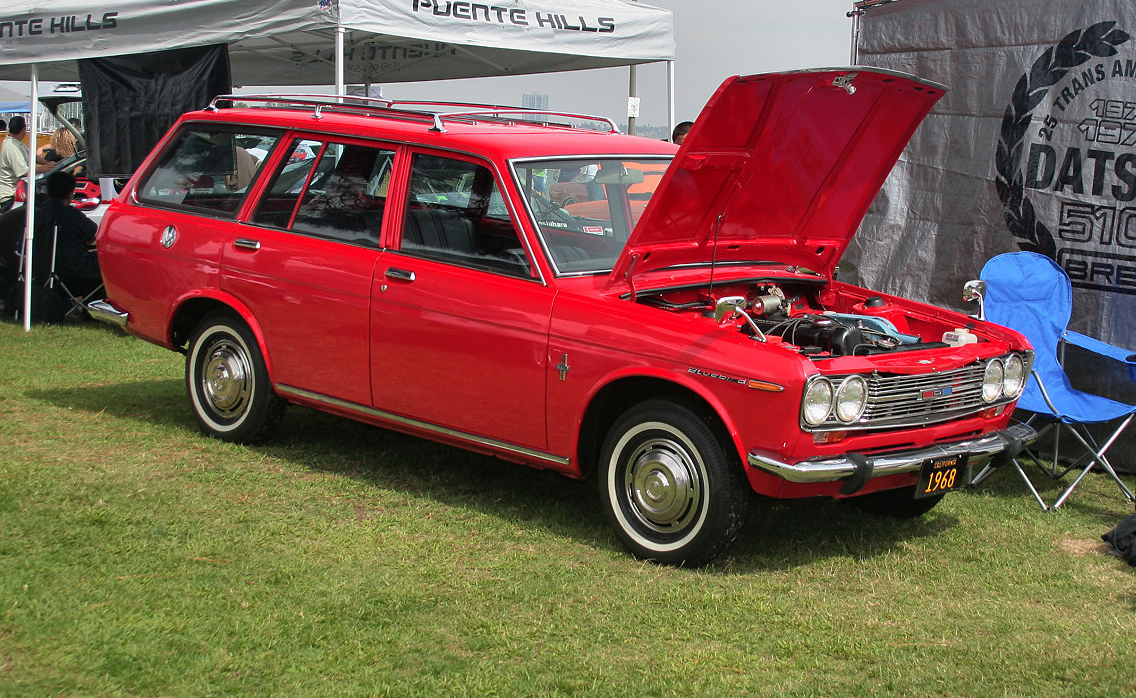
{"x": 675, "y": 331}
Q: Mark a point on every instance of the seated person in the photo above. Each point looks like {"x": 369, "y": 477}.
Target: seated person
{"x": 60, "y": 147}
{"x": 75, "y": 260}
{"x": 246, "y": 164}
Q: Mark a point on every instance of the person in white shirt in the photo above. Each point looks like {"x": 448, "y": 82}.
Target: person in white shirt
{"x": 13, "y": 161}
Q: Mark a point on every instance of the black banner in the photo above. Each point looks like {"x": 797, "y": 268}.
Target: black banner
{"x": 131, "y": 101}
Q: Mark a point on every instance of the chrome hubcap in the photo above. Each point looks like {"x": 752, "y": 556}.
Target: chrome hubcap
{"x": 226, "y": 379}
{"x": 663, "y": 488}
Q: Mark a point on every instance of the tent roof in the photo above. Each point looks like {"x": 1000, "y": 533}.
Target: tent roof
{"x": 292, "y": 42}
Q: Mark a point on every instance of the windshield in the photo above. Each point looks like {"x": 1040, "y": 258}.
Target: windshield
{"x": 584, "y": 208}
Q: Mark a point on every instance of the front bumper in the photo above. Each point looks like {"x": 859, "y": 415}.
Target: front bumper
{"x": 858, "y": 469}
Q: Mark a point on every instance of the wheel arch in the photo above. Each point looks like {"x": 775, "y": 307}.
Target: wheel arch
{"x": 619, "y": 395}
{"x": 191, "y": 311}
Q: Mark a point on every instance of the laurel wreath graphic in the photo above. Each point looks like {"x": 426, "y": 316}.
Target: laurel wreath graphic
{"x": 1078, "y": 47}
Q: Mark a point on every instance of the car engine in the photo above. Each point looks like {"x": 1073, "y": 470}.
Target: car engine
{"x": 766, "y": 310}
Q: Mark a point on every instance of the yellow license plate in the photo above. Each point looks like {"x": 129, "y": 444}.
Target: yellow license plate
{"x": 939, "y": 475}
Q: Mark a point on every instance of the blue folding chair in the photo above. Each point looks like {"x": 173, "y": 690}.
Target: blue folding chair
{"x": 1031, "y": 294}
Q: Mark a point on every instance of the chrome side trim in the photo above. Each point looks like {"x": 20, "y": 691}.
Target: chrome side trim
{"x": 286, "y": 390}
{"x": 834, "y": 469}
{"x": 105, "y": 312}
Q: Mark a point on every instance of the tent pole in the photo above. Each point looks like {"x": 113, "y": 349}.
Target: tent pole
{"x": 632, "y": 92}
{"x": 340, "y": 33}
{"x": 670, "y": 98}
{"x": 29, "y": 205}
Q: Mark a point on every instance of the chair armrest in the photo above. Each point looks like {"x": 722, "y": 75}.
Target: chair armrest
{"x": 1104, "y": 349}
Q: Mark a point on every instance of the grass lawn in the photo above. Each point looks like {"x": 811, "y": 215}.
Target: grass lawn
{"x": 140, "y": 558}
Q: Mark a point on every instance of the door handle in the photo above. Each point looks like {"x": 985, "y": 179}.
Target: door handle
{"x": 400, "y": 274}
{"x": 247, "y": 244}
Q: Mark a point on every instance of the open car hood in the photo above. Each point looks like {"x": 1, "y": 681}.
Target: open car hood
{"x": 778, "y": 168}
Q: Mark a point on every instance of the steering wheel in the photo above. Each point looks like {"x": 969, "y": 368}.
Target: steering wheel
{"x": 546, "y": 209}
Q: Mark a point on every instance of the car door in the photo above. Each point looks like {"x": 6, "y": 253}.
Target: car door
{"x": 459, "y": 317}
{"x": 305, "y": 260}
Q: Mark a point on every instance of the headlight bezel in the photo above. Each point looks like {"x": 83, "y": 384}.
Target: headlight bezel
{"x": 816, "y": 402}
{"x": 850, "y": 385}
{"x": 992, "y": 379}
{"x": 1012, "y": 388}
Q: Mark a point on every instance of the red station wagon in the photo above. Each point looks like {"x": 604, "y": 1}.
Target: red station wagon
{"x": 405, "y": 265}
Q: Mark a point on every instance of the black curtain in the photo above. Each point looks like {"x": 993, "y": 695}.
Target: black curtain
{"x": 131, "y": 101}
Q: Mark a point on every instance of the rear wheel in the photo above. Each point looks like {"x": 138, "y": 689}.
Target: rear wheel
{"x": 228, "y": 383}
{"x": 670, "y": 486}
{"x": 898, "y": 504}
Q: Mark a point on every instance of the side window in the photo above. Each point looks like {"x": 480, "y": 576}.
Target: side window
{"x": 455, "y": 213}
{"x": 331, "y": 190}
{"x": 205, "y": 167}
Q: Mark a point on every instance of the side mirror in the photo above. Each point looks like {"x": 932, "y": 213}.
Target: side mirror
{"x": 728, "y": 306}
{"x": 974, "y": 291}
{"x": 736, "y": 305}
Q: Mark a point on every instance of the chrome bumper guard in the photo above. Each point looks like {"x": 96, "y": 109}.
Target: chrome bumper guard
{"x": 105, "y": 312}
{"x": 1009, "y": 442}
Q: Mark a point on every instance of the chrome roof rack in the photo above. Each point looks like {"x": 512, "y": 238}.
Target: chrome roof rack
{"x": 389, "y": 108}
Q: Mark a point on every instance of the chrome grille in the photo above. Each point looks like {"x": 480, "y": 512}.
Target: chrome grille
{"x": 894, "y": 400}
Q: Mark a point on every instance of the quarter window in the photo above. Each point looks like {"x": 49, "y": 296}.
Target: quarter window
{"x": 207, "y": 168}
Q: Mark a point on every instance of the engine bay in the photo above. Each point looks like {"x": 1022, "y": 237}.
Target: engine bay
{"x": 793, "y": 314}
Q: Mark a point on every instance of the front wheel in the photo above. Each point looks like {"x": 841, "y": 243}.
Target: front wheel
{"x": 228, "y": 382}
{"x": 669, "y": 485}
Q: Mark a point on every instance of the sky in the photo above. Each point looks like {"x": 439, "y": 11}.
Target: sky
{"x": 714, "y": 40}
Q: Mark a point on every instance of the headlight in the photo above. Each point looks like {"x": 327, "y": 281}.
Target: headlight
{"x": 992, "y": 381}
{"x": 851, "y": 399}
{"x": 817, "y": 403}
{"x": 1014, "y": 378}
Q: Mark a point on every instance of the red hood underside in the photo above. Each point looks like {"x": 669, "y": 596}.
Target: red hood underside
{"x": 779, "y": 167}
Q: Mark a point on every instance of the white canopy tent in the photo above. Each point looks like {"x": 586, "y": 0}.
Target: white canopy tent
{"x": 293, "y": 42}
{"x": 310, "y": 42}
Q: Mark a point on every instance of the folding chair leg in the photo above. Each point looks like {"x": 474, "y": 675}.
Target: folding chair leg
{"x": 1032, "y": 489}
{"x": 1108, "y": 468}
{"x": 1098, "y": 458}
{"x": 1050, "y": 469}
{"x": 988, "y": 470}
{"x": 78, "y": 303}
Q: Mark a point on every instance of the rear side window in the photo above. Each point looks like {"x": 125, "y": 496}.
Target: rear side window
{"x": 331, "y": 190}
{"x": 207, "y": 168}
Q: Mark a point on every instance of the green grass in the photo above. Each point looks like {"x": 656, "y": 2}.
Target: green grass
{"x": 139, "y": 558}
